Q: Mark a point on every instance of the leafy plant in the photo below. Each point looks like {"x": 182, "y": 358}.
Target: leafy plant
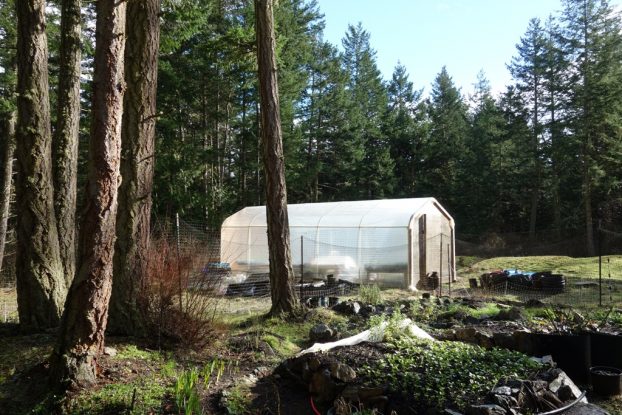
{"x": 236, "y": 400}
{"x": 215, "y": 365}
{"x": 186, "y": 396}
{"x": 445, "y": 374}
{"x": 370, "y": 294}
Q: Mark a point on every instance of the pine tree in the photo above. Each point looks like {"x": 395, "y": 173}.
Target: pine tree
{"x": 487, "y": 130}
{"x": 528, "y": 70}
{"x": 81, "y": 337}
{"x": 445, "y": 148}
{"x": 284, "y": 298}
{"x": 137, "y": 140}
{"x": 66, "y": 134}
{"x": 593, "y": 46}
{"x": 404, "y": 127}
{"x": 372, "y": 166}
{"x": 41, "y": 285}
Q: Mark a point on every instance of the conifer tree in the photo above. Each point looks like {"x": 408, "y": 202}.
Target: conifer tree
{"x": 445, "y": 147}
{"x": 593, "y": 46}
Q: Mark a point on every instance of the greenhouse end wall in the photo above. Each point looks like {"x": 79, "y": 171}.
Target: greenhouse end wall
{"x": 347, "y": 241}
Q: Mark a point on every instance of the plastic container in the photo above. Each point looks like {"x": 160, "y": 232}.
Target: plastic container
{"x": 606, "y": 380}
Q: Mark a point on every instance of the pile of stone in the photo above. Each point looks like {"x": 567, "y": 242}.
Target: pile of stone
{"x": 331, "y": 382}
{"x": 549, "y": 391}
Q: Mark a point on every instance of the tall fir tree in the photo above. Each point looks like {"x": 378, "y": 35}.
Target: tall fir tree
{"x": 404, "y": 125}
{"x": 445, "y": 148}
{"x": 593, "y": 45}
{"x": 372, "y": 174}
{"x": 527, "y": 68}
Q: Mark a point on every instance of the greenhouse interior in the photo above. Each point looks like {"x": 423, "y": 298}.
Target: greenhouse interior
{"x": 391, "y": 242}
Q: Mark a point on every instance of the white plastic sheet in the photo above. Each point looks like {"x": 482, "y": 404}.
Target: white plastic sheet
{"x": 373, "y": 335}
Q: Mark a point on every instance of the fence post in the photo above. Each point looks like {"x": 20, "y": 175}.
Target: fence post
{"x": 178, "y": 245}
{"x": 302, "y": 274}
{"x": 600, "y": 265}
{"x": 440, "y": 274}
{"x": 449, "y": 270}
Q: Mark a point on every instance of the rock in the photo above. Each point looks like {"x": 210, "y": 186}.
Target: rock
{"x": 110, "y": 351}
{"x": 321, "y": 333}
{"x": 347, "y": 307}
{"x": 342, "y": 372}
{"x": 469, "y": 319}
{"x": 314, "y": 363}
{"x": 485, "y": 340}
{"x": 503, "y": 390}
{"x": 367, "y": 310}
{"x": 266, "y": 349}
{"x": 565, "y": 393}
{"x": 545, "y": 360}
{"x": 505, "y": 401}
{"x": 322, "y": 386}
{"x": 571, "y": 391}
{"x": 261, "y": 371}
{"x": 466, "y": 334}
{"x": 249, "y": 380}
{"x": 489, "y": 409}
{"x": 511, "y": 314}
{"x": 504, "y": 340}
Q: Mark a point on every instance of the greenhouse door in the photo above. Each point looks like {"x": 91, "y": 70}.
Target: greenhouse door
{"x": 422, "y": 247}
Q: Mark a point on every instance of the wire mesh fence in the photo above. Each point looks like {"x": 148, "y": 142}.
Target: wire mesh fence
{"x": 574, "y": 291}
{"x": 325, "y": 269}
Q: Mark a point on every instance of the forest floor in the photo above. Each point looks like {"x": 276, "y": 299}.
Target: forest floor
{"x": 241, "y": 370}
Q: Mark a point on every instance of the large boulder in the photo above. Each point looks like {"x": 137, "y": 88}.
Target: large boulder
{"x": 321, "y": 333}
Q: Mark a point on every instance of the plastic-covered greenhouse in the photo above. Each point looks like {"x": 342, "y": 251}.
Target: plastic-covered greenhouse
{"x": 392, "y": 242}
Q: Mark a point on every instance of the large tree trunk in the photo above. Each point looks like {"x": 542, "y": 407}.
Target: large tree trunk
{"x": 8, "y": 151}
{"x": 81, "y": 337}
{"x": 66, "y": 135}
{"x": 41, "y": 285}
{"x": 284, "y": 299}
{"x": 138, "y": 135}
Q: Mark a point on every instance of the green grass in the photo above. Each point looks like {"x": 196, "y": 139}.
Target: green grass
{"x": 296, "y": 332}
{"x": 117, "y": 397}
{"x": 489, "y": 310}
{"x": 579, "y": 267}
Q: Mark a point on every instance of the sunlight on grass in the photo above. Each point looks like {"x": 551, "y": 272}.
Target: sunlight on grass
{"x": 580, "y": 267}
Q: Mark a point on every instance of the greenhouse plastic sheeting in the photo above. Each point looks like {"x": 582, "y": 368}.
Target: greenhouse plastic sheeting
{"x": 352, "y": 240}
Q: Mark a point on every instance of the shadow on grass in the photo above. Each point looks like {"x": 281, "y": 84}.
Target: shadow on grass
{"x": 23, "y": 371}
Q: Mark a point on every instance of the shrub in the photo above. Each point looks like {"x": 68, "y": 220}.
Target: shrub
{"x": 370, "y": 294}
{"x": 178, "y": 303}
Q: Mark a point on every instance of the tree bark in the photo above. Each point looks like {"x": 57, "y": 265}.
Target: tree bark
{"x": 81, "y": 337}
{"x": 284, "y": 299}
{"x": 41, "y": 286}
{"x": 66, "y": 135}
{"x": 137, "y": 164}
{"x": 8, "y": 151}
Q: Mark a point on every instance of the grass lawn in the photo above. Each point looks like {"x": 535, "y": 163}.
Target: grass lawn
{"x": 572, "y": 267}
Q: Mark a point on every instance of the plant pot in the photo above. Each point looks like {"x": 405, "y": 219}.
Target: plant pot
{"x": 571, "y": 352}
{"x": 606, "y": 349}
{"x": 606, "y": 380}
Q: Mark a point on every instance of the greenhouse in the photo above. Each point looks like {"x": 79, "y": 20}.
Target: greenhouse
{"x": 392, "y": 242}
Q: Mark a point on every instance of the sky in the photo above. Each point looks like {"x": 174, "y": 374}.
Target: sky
{"x": 464, "y": 35}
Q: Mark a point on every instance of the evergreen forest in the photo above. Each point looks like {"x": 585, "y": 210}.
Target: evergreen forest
{"x": 544, "y": 156}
